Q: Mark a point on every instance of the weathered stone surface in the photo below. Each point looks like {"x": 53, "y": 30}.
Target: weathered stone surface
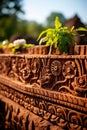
{"x": 43, "y": 92}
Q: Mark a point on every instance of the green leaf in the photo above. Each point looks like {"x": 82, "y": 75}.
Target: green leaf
{"x": 81, "y": 29}
{"x": 58, "y": 24}
{"x": 43, "y": 32}
{"x": 28, "y": 45}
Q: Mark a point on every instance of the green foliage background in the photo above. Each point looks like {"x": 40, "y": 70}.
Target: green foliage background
{"x": 11, "y": 23}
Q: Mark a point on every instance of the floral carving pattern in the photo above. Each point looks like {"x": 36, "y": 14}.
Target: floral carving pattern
{"x": 53, "y": 88}
{"x": 69, "y": 69}
{"x": 56, "y": 67}
{"x": 61, "y": 116}
{"x": 59, "y": 74}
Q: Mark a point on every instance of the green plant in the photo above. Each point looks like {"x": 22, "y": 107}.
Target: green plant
{"x": 18, "y": 45}
{"x": 59, "y": 36}
{"x": 21, "y": 47}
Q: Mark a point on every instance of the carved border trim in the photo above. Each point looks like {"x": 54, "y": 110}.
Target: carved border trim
{"x": 67, "y": 100}
{"x": 55, "y": 113}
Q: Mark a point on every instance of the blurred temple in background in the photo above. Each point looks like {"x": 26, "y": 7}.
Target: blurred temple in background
{"x": 75, "y": 21}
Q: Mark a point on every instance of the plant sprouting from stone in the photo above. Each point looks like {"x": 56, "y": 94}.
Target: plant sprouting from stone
{"x": 59, "y": 36}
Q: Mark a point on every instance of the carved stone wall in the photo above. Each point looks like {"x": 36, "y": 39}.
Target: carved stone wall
{"x": 50, "y": 88}
{"x": 16, "y": 117}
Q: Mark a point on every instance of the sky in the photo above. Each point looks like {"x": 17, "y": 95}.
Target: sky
{"x": 39, "y": 10}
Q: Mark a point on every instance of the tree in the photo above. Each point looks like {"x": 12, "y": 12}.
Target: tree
{"x": 50, "y": 19}
{"x": 6, "y": 27}
{"x": 10, "y": 26}
{"x": 10, "y": 7}
{"x": 34, "y": 29}
{"x": 9, "y": 18}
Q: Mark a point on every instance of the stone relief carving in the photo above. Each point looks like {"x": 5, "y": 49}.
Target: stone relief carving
{"x": 62, "y": 75}
{"x": 61, "y": 116}
{"x": 25, "y": 73}
{"x": 54, "y": 89}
